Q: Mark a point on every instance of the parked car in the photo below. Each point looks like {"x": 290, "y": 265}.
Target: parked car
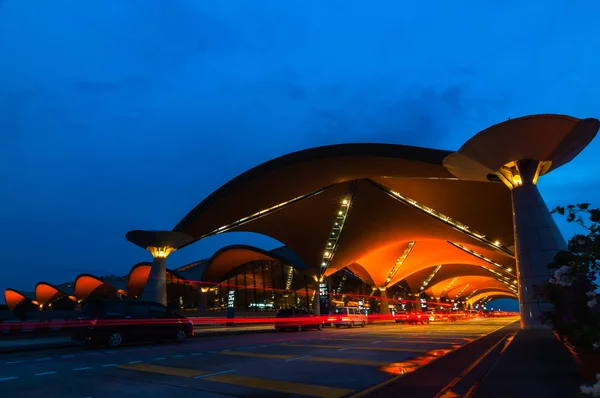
{"x": 412, "y": 317}
{"x": 348, "y": 316}
{"x": 297, "y": 319}
{"x": 114, "y": 322}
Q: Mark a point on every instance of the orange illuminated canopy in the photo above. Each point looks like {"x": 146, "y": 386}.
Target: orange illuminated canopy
{"x": 46, "y": 292}
{"x": 388, "y": 212}
{"x": 14, "y": 297}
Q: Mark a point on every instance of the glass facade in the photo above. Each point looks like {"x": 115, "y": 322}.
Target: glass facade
{"x": 262, "y": 285}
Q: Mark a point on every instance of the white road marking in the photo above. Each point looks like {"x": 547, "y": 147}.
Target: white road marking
{"x": 159, "y": 358}
{"x": 376, "y": 342}
{"x": 44, "y": 373}
{"x": 109, "y": 365}
{"x": 297, "y": 358}
{"x": 15, "y": 362}
{"x": 43, "y": 359}
{"x": 68, "y": 356}
{"x": 214, "y": 374}
{"x": 85, "y": 368}
{"x": 196, "y": 354}
{"x": 344, "y": 349}
{"x": 135, "y": 361}
{"x": 7, "y": 378}
{"x": 178, "y": 356}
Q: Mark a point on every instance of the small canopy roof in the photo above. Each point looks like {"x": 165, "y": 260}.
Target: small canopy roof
{"x": 230, "y": 257}
{"x": 138, "y": 276}
{"x": 85, "y": 284}
{"x": 46, "y": 292}
{"x": 13, "y": 297}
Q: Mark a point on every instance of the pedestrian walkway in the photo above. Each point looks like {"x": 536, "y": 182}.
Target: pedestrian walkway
{"x": 535, "y": 364}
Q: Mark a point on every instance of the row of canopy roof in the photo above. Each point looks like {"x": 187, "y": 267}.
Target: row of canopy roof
{"x": 438, "y": 281}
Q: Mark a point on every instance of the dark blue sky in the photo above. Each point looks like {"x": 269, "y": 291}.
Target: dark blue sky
{"x": 123, "y": 114}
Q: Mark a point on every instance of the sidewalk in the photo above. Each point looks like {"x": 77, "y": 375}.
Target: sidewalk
{"x": 535, "y": 364}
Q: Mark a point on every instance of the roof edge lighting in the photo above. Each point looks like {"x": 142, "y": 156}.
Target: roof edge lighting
{"x": 336, "y": 230}
{"x": 400, "y": 261}
{"x": 494, "y": 244}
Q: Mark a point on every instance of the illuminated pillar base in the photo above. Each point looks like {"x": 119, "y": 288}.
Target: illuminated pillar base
{"x": 203, "y": 302}
{"x": 537, "y": 240}
{"x": 317, "y": 303}
{"x": 384, "y": 306}
{"x": 156, "y": 285}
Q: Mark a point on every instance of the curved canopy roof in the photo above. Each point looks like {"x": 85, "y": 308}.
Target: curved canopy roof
{"x": 554, "y": 138}
{"x": 46, "y": 292}
{"x": 229, "y": 258}
{"x": 85, "y": 284}
{"x": 138, "y": 276}
{"x": 492, "y": 294}
{"x": 13, "y": 297}
{"x": 387, "y": 212}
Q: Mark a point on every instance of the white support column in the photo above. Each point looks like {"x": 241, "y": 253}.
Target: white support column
{"x": 537, "y": 240}
{"x": 156, "y": 285}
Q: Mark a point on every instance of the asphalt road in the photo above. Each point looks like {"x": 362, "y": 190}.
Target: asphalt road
{"x": 330, "y": 363}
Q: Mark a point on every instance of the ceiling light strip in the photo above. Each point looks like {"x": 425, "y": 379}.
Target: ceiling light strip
{"x": 261, "y": 213}
{"x": 471, "y": 294}
{"x": 482, "y": 257}
{"x": 445, "y": 219}
{"x": 462, "y": 291}
{"x": 400, "y": 261}
{"x": 449, "y": 286}
{"x": 430, "y": 277}
{"x": 338, "y": 225}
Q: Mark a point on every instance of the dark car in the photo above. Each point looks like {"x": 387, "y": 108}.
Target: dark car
{"x": 297, "y": 319}
{"x": 114, "y": 322}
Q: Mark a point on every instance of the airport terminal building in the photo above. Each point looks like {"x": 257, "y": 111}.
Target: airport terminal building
{"x": 365, "y": 225}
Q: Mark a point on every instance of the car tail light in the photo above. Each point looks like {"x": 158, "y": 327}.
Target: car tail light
{"x": 345, "y": 319}
{"x": 93, "y": 321}
{"x": 331, "y": 319}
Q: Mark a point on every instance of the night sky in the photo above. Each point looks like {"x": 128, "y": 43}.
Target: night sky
{"x": 124, "y": 114}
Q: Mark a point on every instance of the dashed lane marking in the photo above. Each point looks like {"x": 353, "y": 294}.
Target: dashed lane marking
{"x": 44, "y": 373}
{"x": 298, "y": 358}
{"x": 109, "y": 365}
{"x": 135, "y": 361}
{"x": 11, "y": 362}
{"x": 196, "y": 354}
{"x": 255, "y": 354}
{"x": 178, "y": 356}
{"x": 84, "y": 368}
{"x": 214, "y": 374}
{"x": 67, "y": 356}
{"x": 8, "y": 378}
{"x": 344, "y": 349}
{"x": 159, "y": 359}
{"x": 359, "y": 348}
{"x": 42, "y": 359}
{"x": 165, "y": 370}
{"x": 285, "y": 387}
{"x": 310, "y": 358}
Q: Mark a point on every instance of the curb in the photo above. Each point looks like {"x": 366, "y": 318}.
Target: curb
{"x": 70, "y": 344}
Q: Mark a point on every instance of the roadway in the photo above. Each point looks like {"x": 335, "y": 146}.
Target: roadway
{"x": 330, "y": 363}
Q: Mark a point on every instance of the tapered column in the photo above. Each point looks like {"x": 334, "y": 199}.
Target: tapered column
{"x": 160, "y": 244}
{"x": 537, "y": 240}
{"x": 384, "y": 306}
{"x": 156, "y": 285}
{"x": 203, "y": 300}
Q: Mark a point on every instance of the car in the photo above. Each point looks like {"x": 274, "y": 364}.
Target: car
{"x": 297, "y": 319}
{"x": 114, "y": 322}
{"x": 348, "y": 316}
{"x": 412, "y": 317}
